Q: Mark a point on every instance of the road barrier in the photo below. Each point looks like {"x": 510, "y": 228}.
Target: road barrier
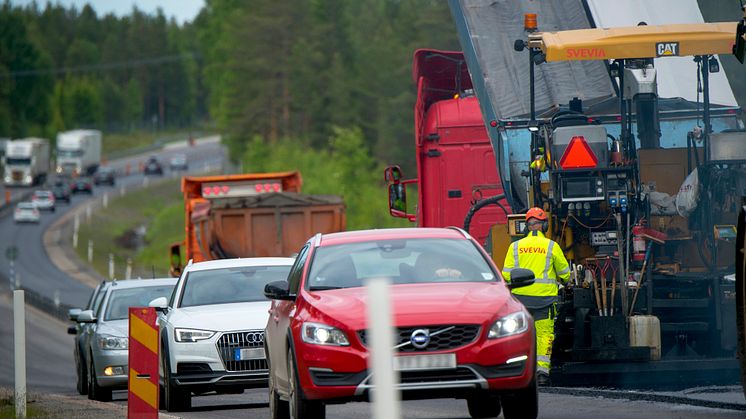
{"x": 142, "y": 385}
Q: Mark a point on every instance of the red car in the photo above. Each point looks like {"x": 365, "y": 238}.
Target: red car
{"x": 461, "y": 334}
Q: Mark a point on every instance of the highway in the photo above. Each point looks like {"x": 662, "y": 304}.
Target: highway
{"x": 36, "y": 271}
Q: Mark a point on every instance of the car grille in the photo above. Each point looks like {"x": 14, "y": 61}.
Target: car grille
{"x": 241, "y": 340}
{"x": 442, "y": 337}
{"x": 17, "y": 176}
{"x": 459, "y": 374}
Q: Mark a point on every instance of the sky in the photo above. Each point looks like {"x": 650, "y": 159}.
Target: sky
{"x": 182, "y": 10}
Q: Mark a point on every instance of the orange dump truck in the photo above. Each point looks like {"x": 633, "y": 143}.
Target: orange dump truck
{"x": 251, "y": 215}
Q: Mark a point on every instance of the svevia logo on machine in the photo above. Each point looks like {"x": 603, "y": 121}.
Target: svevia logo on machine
{"x": 254, "y": 337}
{"x": 667, "y": 49}
{"x": 420, "y": 338}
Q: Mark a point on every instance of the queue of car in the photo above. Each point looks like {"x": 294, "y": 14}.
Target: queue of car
{"x": 298, "y": 326}
{"x": 62, "y": 189}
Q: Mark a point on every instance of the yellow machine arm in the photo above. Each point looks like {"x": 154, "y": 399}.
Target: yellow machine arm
{"x": 636, "y": 42}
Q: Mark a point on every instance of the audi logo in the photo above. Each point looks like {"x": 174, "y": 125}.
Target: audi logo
{"x": 254, "y": 337}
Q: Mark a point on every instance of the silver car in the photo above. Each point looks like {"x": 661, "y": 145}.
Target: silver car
{"x": 26, "y": 212}
{"x": 43, "y": 200}
{"x": 107, "y": 342}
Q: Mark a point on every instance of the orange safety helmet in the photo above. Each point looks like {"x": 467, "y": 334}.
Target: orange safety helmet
{"x": 537, "y": 213}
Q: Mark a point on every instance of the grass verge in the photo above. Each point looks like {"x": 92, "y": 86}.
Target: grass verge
{"x": 114, "y": 144}
{"x": 158, "y": 209}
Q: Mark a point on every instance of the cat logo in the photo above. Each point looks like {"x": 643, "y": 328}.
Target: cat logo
{"x": 667, "y": 49}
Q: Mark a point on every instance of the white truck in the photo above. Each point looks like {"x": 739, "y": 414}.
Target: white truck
{"x": 26, "y": 162}
{"x": 78, "y": 152}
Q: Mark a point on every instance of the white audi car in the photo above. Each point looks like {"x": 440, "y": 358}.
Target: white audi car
{"x": 212, "y": 328}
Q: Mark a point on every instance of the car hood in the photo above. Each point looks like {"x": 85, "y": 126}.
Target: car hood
{"x": 118, "y": 328}
{"x": 418, "y": 304}
{"x": 222, "y": 317}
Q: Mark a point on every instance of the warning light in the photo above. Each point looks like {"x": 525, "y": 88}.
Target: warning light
{"x": 216, "y": 190}
{"x": 529, "y": 22}
{"x": 225, "y": 189}
{"x": 258, "y": 187}
{"x": 276, "y": 187}
{"x": 578, "y": 155}
{"x": 206, "y": 191}
{"x": 493, "y": 123}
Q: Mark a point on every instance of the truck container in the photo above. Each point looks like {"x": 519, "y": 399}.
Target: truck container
{"x": 252, "y": 215}
{"x": 78, "y": 152}
{"x": 26, "y": 162}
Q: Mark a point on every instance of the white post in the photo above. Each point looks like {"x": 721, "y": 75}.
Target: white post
{"x": 57, "y": 298}
{"x": 12, "y": 272}
{"x": 111, "y": 266}
{"x": 18, "y": 281}
{"x": 384, "y": 396}
{"x": 105, "y": 200}
{"x": 90, "y": 251}
{"x": 128, "y": 271}
{"x": 88, "y": 213}
{"x": 76, "y": 226}
{"x": 19, "y": 339}
{"x": 145, "y": 182}
{"x": 121, "y": 190}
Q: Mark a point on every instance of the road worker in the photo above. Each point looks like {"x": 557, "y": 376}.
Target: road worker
{"x": 545, "y": 258}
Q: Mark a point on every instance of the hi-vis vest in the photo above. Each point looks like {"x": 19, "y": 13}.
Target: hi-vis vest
{"x": 544, "y": 257}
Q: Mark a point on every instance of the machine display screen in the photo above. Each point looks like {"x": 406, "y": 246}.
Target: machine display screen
{"x": 578, "y": 188}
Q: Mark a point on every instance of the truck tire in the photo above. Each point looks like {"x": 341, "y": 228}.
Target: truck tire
{"x": 741, "y": 291}
{"x": 523, "y": 403}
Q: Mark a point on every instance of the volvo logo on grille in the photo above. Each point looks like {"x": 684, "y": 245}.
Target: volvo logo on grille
{"x": 420, "y": 338}
{"x": 254, "y": 337}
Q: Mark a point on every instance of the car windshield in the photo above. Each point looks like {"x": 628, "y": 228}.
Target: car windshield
{"x": 41, "y": 194}
{"x": 121, "y": 300}
{"x": 26, "y": 206}
{"x": 230, "y": 285}
{"x": 10, "y": 161}
{"x": 69, "y": 153}
{"x": 407, "y": 261}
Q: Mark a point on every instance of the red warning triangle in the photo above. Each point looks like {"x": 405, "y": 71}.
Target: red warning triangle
{"x": 578, "y": 155}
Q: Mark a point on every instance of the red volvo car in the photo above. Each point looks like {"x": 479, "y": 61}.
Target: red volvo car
{"x": 460, "y": 333}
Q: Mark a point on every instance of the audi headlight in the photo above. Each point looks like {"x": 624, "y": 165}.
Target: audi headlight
{"x": 321, "y": 334}
{"x": 108, "y": 342}
{"x": 512, "y": 324}
{"x": 192, "y": 335}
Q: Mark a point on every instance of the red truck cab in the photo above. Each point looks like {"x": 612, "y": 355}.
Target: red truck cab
{"x": 455, "y": 160}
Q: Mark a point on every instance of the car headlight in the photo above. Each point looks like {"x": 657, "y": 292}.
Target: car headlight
{"x": 321, "y": 334}
{"x": 512, "y": 324}
{"x": 108, "y": 342}
{"x": 28, "y": 179}
{"x": 192, "y": 335}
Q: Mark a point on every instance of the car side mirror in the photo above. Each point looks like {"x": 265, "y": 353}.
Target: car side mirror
{"x": 86, "y": 316}
{"x": 398, "y": 200}
{"x": 160, "y": 304}
{"x": 520, "y": 277}
{"x": 73, "y": 313}
{"x": 72, "y": 330}
{"x": 278, "y": 290}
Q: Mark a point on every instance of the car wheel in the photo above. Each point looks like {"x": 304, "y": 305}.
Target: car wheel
{"x": 96, "y": 392}
{"x": 523, "y": 403}
{"x": 483, "y": 406}
{"x": 299, "y": 407}
{"x": 278, "y": 408}
{"x": 82, "y": 382}
{"x": 174, "y": 398}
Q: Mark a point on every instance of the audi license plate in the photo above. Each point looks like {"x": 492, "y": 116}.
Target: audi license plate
{"x": 425, "y": 362}
{"x": 250, "y": 353}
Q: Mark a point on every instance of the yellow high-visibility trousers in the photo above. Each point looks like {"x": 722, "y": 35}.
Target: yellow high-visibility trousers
{"x": 544, "y": 340}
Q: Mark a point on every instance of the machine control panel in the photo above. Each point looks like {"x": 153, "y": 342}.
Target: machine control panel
{"x": 603, "y": 238}
{"x": 585, "y": 188}
{"x": 517, "y": 225}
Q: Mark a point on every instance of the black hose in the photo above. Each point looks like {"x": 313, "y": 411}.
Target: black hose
{"x": 481, "y": 204}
